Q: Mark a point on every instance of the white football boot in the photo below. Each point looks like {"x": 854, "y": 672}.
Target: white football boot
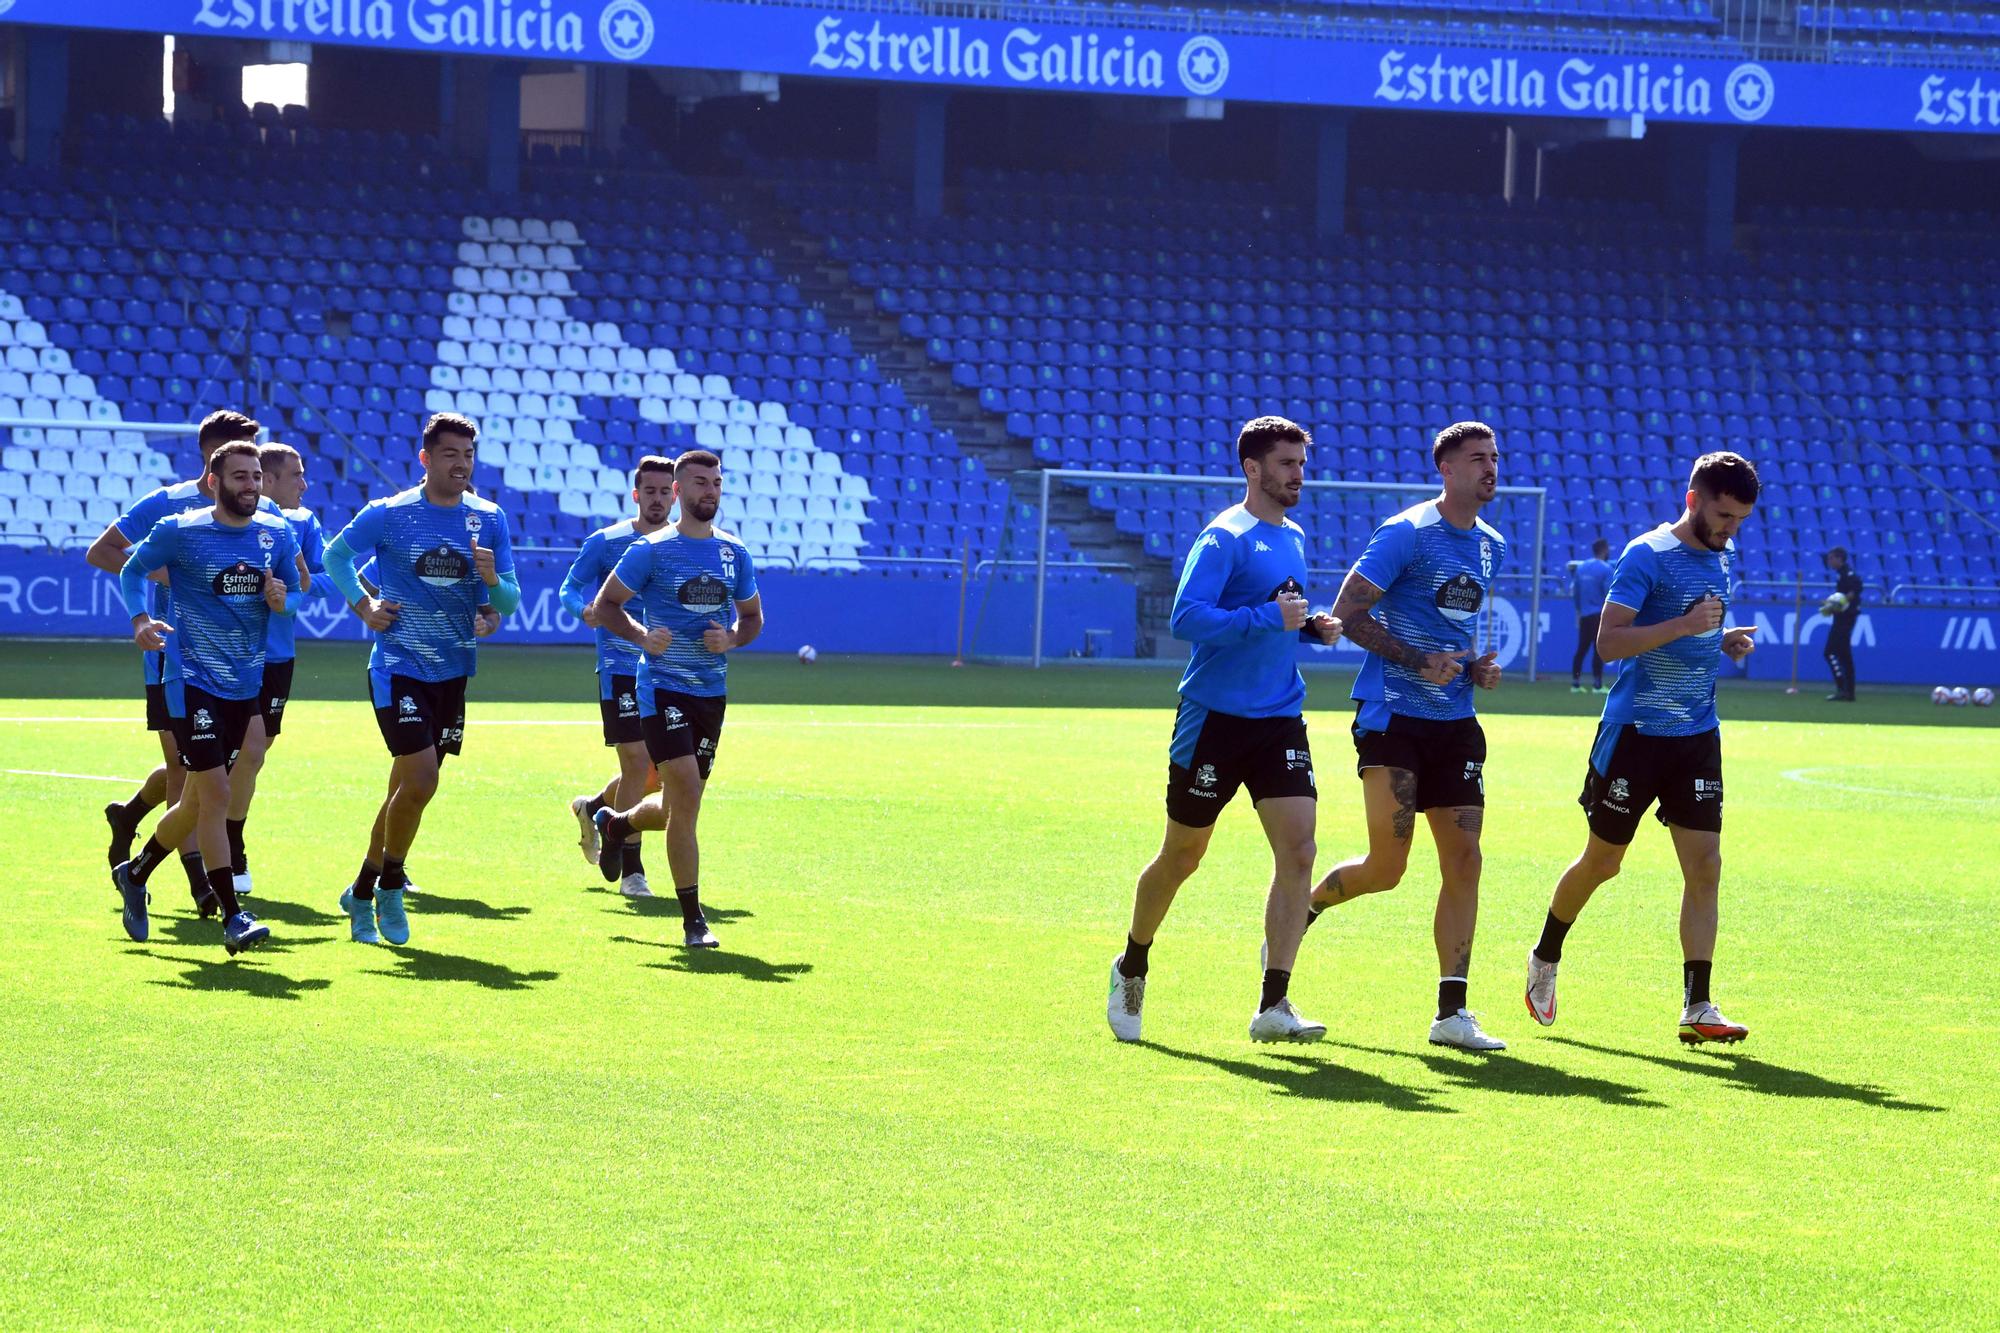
{"x": 587, "y": 839}
{"x": 1281, "y": 1022}
{"x": 1128, "y": 1000}
{"x": 1541, "y": 989}
{"x": 1704, "y": 1022}
{"x": 241, "y": 883}
{"x": 634, "y": 886}
{"x": 1462, "y": 1030}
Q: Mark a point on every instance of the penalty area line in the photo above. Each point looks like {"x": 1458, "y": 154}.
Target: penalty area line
{"x": 1800, "y": 776}
{"x": 80, "y": 777}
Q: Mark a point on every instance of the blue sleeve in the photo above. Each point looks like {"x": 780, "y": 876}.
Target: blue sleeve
{"x": 585, "y": 577}
{"x": 154, "y": 551}
{"x": 340, "y": 569}
{"x": 1197, "y": 618}
{"x": 1576, "y": 586}
{"x": 1388, "y": 554}
{"x": 635, "y": 566}
{"x": 314, "y": 551}
{"x": 146, "y": 511}
{"x": 746, "y": 575}
{"x": 1632, "y": 580}
{"x": 285, "y": 564}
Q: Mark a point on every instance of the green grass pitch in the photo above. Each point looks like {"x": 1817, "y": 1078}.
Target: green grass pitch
{"x": 890, "y": 1099}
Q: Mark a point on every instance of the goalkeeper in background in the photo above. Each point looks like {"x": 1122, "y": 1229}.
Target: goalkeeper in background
{"x": 1843, "y": 608}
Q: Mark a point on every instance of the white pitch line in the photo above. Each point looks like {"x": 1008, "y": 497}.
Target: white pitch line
{"x": 80, "y": 777}
{"x": 1798, "y": 775}
{"x": 478, "y": 722}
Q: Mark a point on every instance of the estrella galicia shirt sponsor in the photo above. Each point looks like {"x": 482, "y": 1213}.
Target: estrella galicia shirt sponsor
{"x": 282, "y": 643}
{"x": 1435, "y": 579}
{"x": 1244, "y": 661}
{"x": 683, "y": 583}
{"x": 597, "y": 558}
{"x": 423, "y": 561}
{"x": 133, "y": 525}
{"x": 220, "y": 615}
{"x": 1668, "y": 690}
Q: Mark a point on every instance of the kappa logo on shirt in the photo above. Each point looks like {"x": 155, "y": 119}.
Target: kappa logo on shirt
{"x": 1260, "y": 545}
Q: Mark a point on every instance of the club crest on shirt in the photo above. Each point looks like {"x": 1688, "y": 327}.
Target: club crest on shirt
{"x": 241, "y": 579}
{"x": 1485, "y": 558}
{"x": 728, "y": 554}
{"x": 1461, "y": 597}
{"x": 472, "y": 524}
{"x": 702, "y": 594}
{"x": 266, "y": 540}
{"x": 441, "y": 566}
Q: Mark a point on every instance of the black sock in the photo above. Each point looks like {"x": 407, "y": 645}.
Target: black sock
{"x": 132, "y": 811}
{"x": 238, "y": 863}
{"x": 222, "y": 883}
{"x": 628, "y": 860}
{"x": 1276, "y": 983}
{"x": 1694, "y": 981}
{"x": 1575, "y": 681}
{"x": 1550, "y": 947}
{"x": 690, "y": 905}
{"x": 1597, "y": 682}
{"x": 1451, "y": 996}
{"x": 197, "y": 876}
{"x": 364, "y": 883}
{"x": 392, "y": 874}
{"x": 148, "y": 860}
{"x": 1312, "y": 915}
{"x": 616, "y": 829}
{"x": 596, "y": 803}
{"x": 1133, "y": 964}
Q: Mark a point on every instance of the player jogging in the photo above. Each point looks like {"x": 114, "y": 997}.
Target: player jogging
{"x": 618, "y": 666}
{"x": 284, "y": 485}
{"x": 440, "y": 552}
{"x": 1413, "y": 601}
{"x": 683, "y": 578}
{"x": 1587, "y": 584}
{"x": 231, "y": 568}
{"x": 1242, "y": 604}
{"x": 108, "y": 553}
{"x": 1659, "y": 739}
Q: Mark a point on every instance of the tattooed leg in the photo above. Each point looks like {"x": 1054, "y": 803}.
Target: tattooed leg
{"x": 1390, "y": 798}
{"x": 1456, "y": 832}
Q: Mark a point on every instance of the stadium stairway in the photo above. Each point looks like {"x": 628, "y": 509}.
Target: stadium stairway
{"x": 823, "y": 278}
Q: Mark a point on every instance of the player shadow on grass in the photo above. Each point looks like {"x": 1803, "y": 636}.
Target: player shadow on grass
{"x": 290, "y": 914}
{"x": 229, "y": 974}
{"x": 438, "y": 904}
{"x": 193, "y": 933}
{"x": 717, "y": 962}
{"x": 665, "y": 904}
{"x": 1497, "y": 1072}
{"x": 1320, "y": 1080}
{"x": 426, "y": 965}
{"x": 1754, "y": 1075}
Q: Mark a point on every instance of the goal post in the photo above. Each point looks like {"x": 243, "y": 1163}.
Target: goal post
{"x": 1337, "y": 517}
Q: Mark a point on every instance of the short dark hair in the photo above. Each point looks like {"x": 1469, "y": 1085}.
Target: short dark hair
{"x": 223, "y": 427}
{"x": 1456, "y": 436}
{"x": 1724, "y": 473}
{"x": 270, "y": 453}
{"x": 1263, "y": 434}
{"x": 448, "y": 423}
{"x": 1600, "y": 547}
{"x": 233, "y": 449}
{"x": 650, "y": 463}
{"x": 696, "y": 458}
{"x": 1840, "y": 551}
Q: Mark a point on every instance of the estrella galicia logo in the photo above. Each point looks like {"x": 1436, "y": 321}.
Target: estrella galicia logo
{"x": 1204, "y": 65}
{"x": 703, "y": 593}
{"x": 626, "y": 29}
{"x": 241, "y": 579}
{"x": 442, "y": 566}
{"x": 1749, "y": 91}
{"x": 1460, "y": 598}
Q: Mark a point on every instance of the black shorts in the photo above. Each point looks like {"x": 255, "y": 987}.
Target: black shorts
{"x": 1215, "y": 753}
{"x": 416, "y": 715}
{"x": 157, "y": 717}
{"x": 1628, "y": 772}
{"x": 618, "y": 701}
{"x": 1448, "y": 758}
{"x": 272, "y": 697}
{"x": 679, "y": 725}
{"x": 209, "y": 731}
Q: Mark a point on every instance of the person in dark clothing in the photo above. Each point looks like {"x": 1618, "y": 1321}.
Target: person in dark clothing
{"x": 1587, "y": 586}
{"x": 1843, "y": 608}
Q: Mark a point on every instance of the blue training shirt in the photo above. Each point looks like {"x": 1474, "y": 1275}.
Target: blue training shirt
{"x": 423, "y": 561}
{"x": 1589, "y": 584}
{"x": 281, "y": 645}
{"x": 1435, "y": 580}
{"x": 1244, "y": 661}
{"x": 1668, "y": 690}
{"x": 599, "y": 556}
{"x": 684, "y": 583}
{"x": 220, "y": 616}
{"x": 138, "y": 520}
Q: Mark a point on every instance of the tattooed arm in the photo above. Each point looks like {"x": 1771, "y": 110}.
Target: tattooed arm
{"x": 1357, "y": 596}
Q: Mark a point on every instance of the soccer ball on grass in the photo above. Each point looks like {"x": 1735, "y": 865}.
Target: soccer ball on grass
{"x": 1941, "y": 694}
{"x": 808, "y": 654}
{"x": 1960, "y": 696}
{"x": 1983, "y": 697}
